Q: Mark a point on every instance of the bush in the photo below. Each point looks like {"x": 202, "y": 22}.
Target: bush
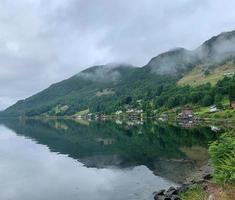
{"x": 222, "y": 154}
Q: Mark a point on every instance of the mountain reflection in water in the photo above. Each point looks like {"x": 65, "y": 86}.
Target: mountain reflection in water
{"x": 170, "y": 152}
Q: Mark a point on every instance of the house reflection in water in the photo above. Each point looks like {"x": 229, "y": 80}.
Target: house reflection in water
{"x": 105, "y": 141}
{"x": 187, "y": 118}
{"x": 187, "y": 124}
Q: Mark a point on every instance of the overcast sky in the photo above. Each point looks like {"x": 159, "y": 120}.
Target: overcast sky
{"x": 45, "y": 41}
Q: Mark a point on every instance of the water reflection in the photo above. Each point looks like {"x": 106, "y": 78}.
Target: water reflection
{"x": 105, "y": 160}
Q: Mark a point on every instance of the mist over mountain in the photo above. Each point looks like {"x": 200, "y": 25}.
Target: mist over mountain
{"x": 106, "y": 87}
{"x": 217, "y": 48}
{"x": 179, "y": 61}
{"x": 173, "y": 62}
{"x": 111, "y": 72}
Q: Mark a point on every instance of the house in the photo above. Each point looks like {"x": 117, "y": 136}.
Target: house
{"x": 187, "y": 112}
{"x": 229, "y": 74}
{"x": 215, "y": 128}
{"x": 133, "y": 116}
{"x": 213, "y": 109}
{"x": 163, "y": 117}
{"x": 130, "y": 111}
{"x": 139, "y": 111}
{"x": 118, "y": 112}
{"x": 89, "y": 116}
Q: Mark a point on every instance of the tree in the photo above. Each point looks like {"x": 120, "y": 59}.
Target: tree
{"x": 218, "y": 99}
{"x": 231, "y": 93}
{"x": 195, "y": 96}
{"x": 207, "y": 100}
{"x": 128, "y": 100}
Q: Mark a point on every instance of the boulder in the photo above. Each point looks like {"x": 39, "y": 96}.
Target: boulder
{"x": 171, "y": 191}
{"x": 170, "y": 194}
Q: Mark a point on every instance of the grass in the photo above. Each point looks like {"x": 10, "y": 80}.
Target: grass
{"x": 224, "y": 192}
{"x": 196, "y": 193}
{"x": 226, "y": 114}
{"x": 202, "y": 111}
{"x": 83, "y": 112}
{"x": 225, "y": 101}
{"x": 227, "y": 192}
{"x": 197, "y": 76}
{"x": 223, "y": 115}
{"x": 105, "y": 92}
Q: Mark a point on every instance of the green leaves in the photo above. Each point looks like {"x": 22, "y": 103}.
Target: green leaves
{"x": 222, "y": 154}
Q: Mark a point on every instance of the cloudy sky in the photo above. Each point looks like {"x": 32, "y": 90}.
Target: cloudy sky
{"x": 45, "y": 41}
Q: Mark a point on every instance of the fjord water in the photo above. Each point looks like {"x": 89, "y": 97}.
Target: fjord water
{"x": 91, "y": 160}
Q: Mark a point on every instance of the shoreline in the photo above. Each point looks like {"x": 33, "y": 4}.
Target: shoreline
{"x": 200, "y": 177}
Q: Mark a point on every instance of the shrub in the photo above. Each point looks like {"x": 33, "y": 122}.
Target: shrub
{"x": 222, "y": 154}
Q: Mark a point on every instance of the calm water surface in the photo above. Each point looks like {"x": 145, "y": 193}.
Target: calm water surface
{"x": 101, "y": 161}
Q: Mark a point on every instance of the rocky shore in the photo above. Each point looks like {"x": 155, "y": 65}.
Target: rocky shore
{"x": 201, "y": 177}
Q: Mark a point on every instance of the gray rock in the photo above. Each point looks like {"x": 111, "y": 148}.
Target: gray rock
{"x": 171, "y": 191}
{"x": 170, "y": 194}
{"x": 159, "y": 197}
{"x": 160, "y": 192}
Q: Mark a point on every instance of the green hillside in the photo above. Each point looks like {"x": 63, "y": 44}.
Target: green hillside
{"x": 81, "y": 92}
{"x": 112, "y": 87}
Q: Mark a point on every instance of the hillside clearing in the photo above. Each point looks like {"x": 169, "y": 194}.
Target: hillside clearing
{"x": 197, "y": 75}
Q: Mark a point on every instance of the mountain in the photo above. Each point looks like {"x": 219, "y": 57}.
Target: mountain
{"x": 112, "y": 72}
{"x": 78, "y": 88}
{"x": 217, "y": 48}
{"x": 180, "y": 61}
{"x": 106, "y": 88}
{"x": 94, "y": 88}
{"x": 174, "y": 62}
{"x": 216, "y": 57}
